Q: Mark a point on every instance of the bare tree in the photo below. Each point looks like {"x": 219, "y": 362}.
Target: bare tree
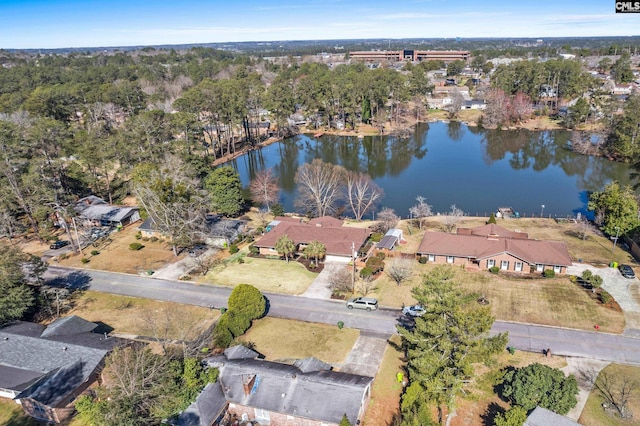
{"x": 264, "y": 188}
{"x": 204, "y": 263}
{"x": 400, "y": 270}
{"x": 521, "y": 108}
{"x": 366, "y": 285}
{"x": 173, "y": 201}
{"x": 452, "y": 218}
{"x": 319, "y": 187}
{"x": 135, "y": 370}
{"x": 497, "y": 110}
{"x": 617, "y": 392}
{"x": 457, "y": 100}
{"x": 340, "y": 280}
{"x": 263, "y": 215}
{"x": 362, "y": 193}
{"x": 421, "y": 210}
{"x": 387, "y": 219}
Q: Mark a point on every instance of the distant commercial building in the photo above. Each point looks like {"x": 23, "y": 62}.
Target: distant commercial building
{"x": 410, "y": 55}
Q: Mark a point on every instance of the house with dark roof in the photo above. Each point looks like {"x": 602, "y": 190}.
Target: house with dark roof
{"x": 94, "y": 211}
{"x": 339, "y": 241}
{"x": 543, "y": 417}
{"x": 307, "y": 393}
{"x": 490, "y": 246}
{"x": 218, "y": 231}
{"x": 45, "y": 368}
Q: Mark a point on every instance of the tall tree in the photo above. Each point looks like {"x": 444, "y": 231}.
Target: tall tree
{"x": 16, "y": 296}
{"x": 264, "y": 188}
{"x": 446, "y": 341}
{"x": 225, "y": 190}
{"x": 615, "y": 208}
{"x": 319, "y": 187}
{"x": 285, "y": 246}
{"x": 316, "y": 250}
{"x": 362, "y": 193}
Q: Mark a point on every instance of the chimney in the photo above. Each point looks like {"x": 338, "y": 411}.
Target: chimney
{"x": 247, "y": 383}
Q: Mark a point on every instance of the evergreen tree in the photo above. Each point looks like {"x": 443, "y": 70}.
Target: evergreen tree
{"x": 225, "y": 189}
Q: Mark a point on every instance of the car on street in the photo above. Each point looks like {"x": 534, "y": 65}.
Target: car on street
{"x": 59, "y": 244}
{"x": 368, "y": 303}
{"x": 627, "y": 271}
{"x": 414, "y": 310}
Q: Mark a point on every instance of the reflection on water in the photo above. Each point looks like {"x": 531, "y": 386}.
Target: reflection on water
{"x": 450, "y": 163}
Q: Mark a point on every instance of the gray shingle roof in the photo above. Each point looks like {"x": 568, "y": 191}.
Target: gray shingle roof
{"x": 68, "y": 325}
{"x": 543, "y": 417}
{"x": 207, "y": 407}
{"x": 387, "y": 242}
{"x": 319, "y": 395}
{"x": 312, "y": 364}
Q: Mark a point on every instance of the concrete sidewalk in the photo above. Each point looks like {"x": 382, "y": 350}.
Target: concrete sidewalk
{"x": 586, "y": 372}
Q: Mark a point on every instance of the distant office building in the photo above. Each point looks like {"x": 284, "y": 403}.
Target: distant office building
{"x": 410, "y": 55}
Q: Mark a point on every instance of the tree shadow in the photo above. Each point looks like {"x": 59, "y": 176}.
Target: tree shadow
{"x": 498, "y": 388}
{"x": 490, "y": 414}
{"x": 75, "y": 281}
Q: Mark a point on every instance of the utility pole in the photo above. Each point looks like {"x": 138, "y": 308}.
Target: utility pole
{"x": 353, "y": 270}
{"x": 615, "y": 240}
{"x": 75, "y": 228}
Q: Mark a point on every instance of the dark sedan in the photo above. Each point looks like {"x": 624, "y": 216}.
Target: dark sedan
{"x": 59, "y": 244}
{"x": 627, "y": 271}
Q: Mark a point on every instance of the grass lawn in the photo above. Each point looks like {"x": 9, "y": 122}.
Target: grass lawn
{"x": 555, "y": 302}
{"x": 132, "y": 315}
{"x": 117, "y": 257}
{"x": 287, "y": 340}
{"x": 385, "y": 394}
{"x": 11, "y": 414}
{"x": 593, "y": 413}
{"x": 268, "y": 275}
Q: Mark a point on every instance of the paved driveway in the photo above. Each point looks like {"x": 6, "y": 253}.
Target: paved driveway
{"x": 319, "y": 288}
{"x": 624, "y": 291}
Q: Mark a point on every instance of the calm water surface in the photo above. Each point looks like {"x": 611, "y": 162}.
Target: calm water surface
{"x": 449, "y": 163}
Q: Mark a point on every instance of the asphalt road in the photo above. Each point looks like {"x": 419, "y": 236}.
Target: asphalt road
{"x": 527, "y": 337}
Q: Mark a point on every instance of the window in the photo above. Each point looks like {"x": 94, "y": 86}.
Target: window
{"x": 504, "y": 265}
{"x": 449, "y": 259}
{"x": 491, "y": 263}
{"x": 262, "y": 415}
{"x": 539, "y": 267}
{"x": 432, "y": 258}
{"x": 518, "y": 266}
{"x": 557, "y": 269}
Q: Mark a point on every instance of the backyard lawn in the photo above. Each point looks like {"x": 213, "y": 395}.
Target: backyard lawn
{"x": 287, "y": 340}
{"x": 594, "y": 415}
{"x": 268, "y": 275}
{"x": 11, "y": 414}
{"x": 555, "y": 302}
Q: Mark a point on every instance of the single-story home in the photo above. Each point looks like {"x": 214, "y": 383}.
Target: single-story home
{"x": 491, "y": 245}
{"x": 94, "y": 211}
{"x": 340, "y": 241}
{"x": 307, "y": 393}
{"x": 219, "y": 232}
{"x": 543, "y": 417}
{"x": 45, "y": 368}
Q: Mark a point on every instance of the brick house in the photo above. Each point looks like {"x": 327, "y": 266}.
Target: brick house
{"x": 491, "y": 245}
{"x": 307, "y": 393}
{"x": 45, "y": 368}
{"x": 339, "y": 241}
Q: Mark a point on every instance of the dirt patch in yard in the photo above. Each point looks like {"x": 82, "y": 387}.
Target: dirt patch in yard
{"x": 116, "y": 255}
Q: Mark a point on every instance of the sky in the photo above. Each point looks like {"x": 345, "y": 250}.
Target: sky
{"x": 89, "y": 23}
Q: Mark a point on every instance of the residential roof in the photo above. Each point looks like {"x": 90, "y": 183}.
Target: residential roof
{"x": 105, "y": 212}
{"x": 543, "y": 417}
{"x": 337, "y": 240}
{"x": 307, "y": 365}
{"x": 387, "y": 242}
{"x": 48, "y": 364}
{"x": 240, "y": 352}
{"x": 318, "y": 395}
{"x": 326, "y": 221}
{"x": 481, "y": 247}
{"x": 147, "y": 225}
{"x": 207, "y": 407}
{"x": 492, "y": 229}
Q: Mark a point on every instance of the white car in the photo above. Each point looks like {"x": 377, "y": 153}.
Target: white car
{"x": 414, "y": 311}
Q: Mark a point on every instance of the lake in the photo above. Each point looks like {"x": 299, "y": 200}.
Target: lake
{"x": 450, "y": 163}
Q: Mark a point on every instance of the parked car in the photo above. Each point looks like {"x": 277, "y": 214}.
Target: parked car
{"x": 414, "y": 311}
{"x": 59, "y": 244}
{"x": 627, "y": 271}
{"x": 367, "y": 303}
{"x": 197, "y": 250}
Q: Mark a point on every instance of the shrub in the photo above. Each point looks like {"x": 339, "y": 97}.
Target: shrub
{"x": 240, "y": 260}
{"x": 277, "y": 209}
{"x": 494, "y": 269}
{"x": 84, "y": 260}
{"x": 233, "y": 249}
{"x": 145, "y": 239}
{"x": 222, "y": 337}
{"x": 366, "y": 272}
{"x": 138, "y": 235}
{"x": 605, "y": 297}
{"x": 235, "y": 322}
{"x": 135, "y": 246}
{"x": 94, "y": 252}
{"x": 376, "y": 264}
{"x": 259, "y": 230}
{"x": 153, "y": 239}
{"x": 492, "y": 219}
{"x": 548, "y": 273}
{"x": 376, "y": 237}
{"x": 381, "y": 255}
{"x": 248, "y": 300}
{"x": 422, "y": 260}
{"x": 340, "y": 325}
{"x": 253, "y": 249}
{"x": 249, "y": 238}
